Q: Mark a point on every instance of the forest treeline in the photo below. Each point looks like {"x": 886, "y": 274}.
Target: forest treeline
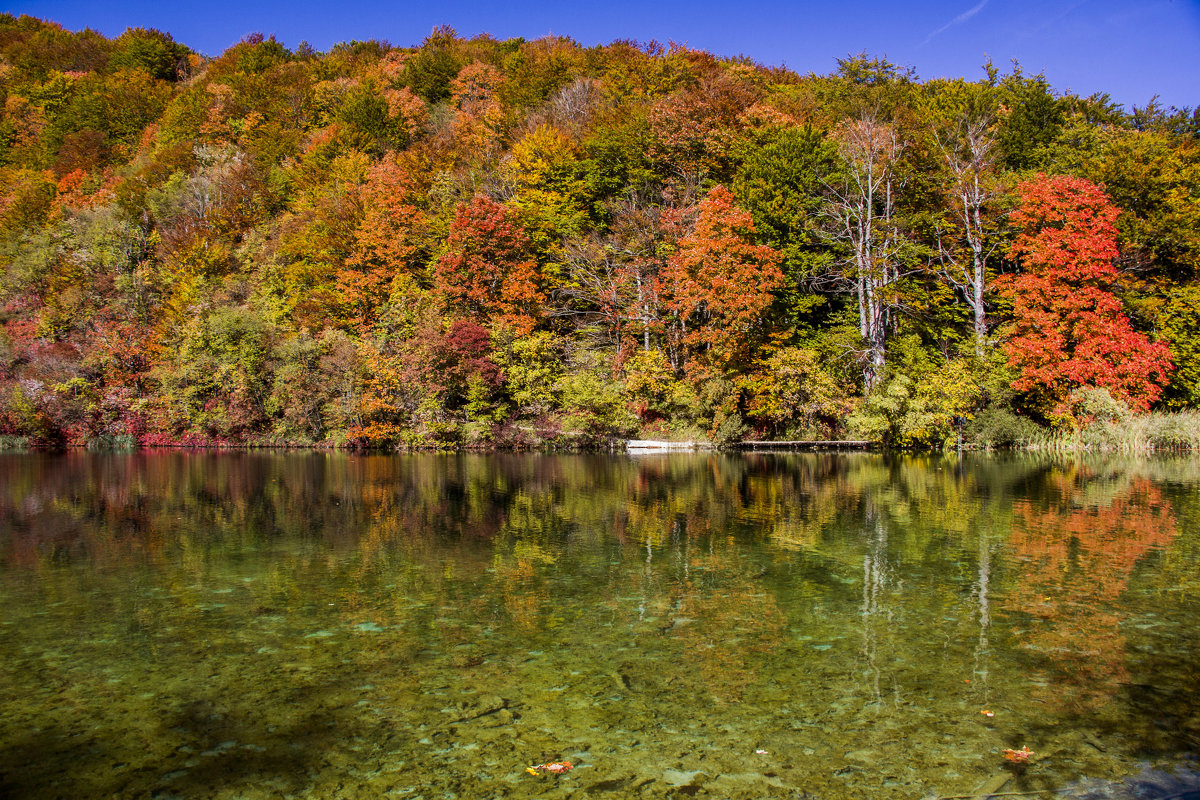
{"x": 483, "y": 243}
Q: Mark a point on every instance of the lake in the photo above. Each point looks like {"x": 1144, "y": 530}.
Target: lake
{"x": 262, "y": 625}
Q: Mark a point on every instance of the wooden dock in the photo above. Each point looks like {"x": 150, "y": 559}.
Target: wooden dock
{"x": 654, "y": 445}
{"x": 659, "y": 446}
{"x": 805, "y": 445}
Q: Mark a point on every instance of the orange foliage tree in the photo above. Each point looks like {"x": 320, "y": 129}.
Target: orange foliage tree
{"x": 719, "y": 283}
{"x": 388, "y": 244}
{"x": 695, "y": 129}
{"x": 479, "y": 116}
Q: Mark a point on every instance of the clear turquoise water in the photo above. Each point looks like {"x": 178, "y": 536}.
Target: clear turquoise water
{"x": 321, "y": 625}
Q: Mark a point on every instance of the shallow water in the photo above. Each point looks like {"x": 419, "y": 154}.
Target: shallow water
{"x": 320, "y": 625}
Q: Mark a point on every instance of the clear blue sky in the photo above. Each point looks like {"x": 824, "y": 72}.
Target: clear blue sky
{"x": 1131, "y": 49}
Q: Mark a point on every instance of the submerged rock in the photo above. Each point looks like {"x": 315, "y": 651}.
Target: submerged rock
{"x": 1149, "y": 784}
{"x": 744, "y": 785}
{"x": 675, "y": 777}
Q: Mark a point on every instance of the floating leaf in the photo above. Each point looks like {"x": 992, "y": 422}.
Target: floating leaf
{"x": 554, "y": 767}
{"x": 1017, "y": 756}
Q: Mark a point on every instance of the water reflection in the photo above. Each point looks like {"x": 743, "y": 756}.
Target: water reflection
{"x": 236, "y": 625}
{"x": 1077, "y": 549}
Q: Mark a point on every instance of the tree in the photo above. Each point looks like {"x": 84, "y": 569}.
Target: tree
{"x": 319, "y": 235}
{"x": 1068, "y": 329}
{"x": 1180, "y": 326}
{"x": 430, "y": 69}
{"x": 1155, "y": 181}
{"x": 548, "y": 192}
{"x": 1031, "y": 117}
{"x": 538, "y": 68}
{"x": 780, "y": 183}
{"x": 791, "y": 394}
{"x": 695, "y": 129}
{"x": 314, "y": 389}
{"x": 968, "y": 152}
{"x": 457, "y": 365}
{"x": 487, "y": 271}
{"x": 720, "y": 283}
{"x": 218, "y": 382}
{"x": 389, "y": 245}
{"x": 479, "y": 117}
{"x": 612, "y": 285}
{"x": 862, "y": 210}
{"x": 922, "y": 397}
{"x": 150, "y": 50}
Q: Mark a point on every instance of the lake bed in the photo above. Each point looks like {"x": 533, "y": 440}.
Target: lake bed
{"x": 259, "y": 625}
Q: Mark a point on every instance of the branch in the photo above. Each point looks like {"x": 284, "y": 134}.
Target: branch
{"x": 1008, "y": 794}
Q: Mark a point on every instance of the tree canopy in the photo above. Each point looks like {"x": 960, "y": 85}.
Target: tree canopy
{"x": 474, "y": 242}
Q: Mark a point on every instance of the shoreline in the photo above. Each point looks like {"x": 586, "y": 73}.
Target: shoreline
{"x": 629, "y": 447}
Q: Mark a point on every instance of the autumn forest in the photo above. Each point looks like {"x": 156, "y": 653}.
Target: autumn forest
{"x": 474, "y": 243}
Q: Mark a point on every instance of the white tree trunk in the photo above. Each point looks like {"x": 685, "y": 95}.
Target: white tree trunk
{"x": 864, "y": 207}
{"x": 970, "y": 161}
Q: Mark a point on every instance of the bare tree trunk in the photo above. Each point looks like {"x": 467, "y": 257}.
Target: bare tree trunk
{"x": 644, "y": 307}
{"x": 864, "y": 210}
{"x": 969, "y": 155}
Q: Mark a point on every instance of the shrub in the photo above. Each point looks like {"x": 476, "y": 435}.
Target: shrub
{"x": 1091, "y": 404}
{"x": 1000, "y": 428}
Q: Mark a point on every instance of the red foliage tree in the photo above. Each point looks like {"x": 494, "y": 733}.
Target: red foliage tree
{"x": 452, "y": 361}
{"x": 1069, "y": 330}
{"x": 487, "y": 271}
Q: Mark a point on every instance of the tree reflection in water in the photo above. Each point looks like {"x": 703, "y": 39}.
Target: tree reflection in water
{"x": 1077, "y": 547}
{"x": 857, "y": 610}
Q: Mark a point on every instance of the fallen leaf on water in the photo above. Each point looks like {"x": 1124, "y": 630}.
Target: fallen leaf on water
{"x": 554, "y": 767}
{"x": 1019, "y": 756}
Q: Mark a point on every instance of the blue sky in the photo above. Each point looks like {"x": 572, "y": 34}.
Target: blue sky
{"x": 1132, "y": 50}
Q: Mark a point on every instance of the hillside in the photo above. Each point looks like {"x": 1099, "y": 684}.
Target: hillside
{"x": 482, "y": 243}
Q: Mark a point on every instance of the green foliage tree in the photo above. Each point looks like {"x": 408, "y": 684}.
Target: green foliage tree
{"x": 924, "y": 401}
{"x": 1031, "y": 117}
{"x": 1180, "y": 329}
{"x": 151, "y": 51}
{"x": 218, "y": 381}
{"x": 550, "y": 193}
{"x": 791, "y": 396}
{"x": 429, "y": 70}
{"x": 780, "y": 182}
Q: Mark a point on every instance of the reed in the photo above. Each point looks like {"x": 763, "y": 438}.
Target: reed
{"x": 1135, "y": 433}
